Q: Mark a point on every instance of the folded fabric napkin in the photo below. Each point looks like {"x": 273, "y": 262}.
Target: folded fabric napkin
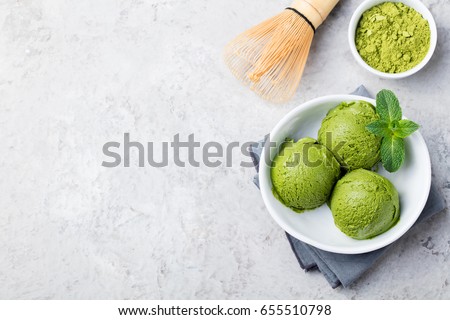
{"x": 344, "y": 269}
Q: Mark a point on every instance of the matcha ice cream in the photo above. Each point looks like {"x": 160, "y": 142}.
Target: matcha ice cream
{"x": 364, "y": 204}
{"x": 344, "y": 132}
{"x": 303, "y": 174}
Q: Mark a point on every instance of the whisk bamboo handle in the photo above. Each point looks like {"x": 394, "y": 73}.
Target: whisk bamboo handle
{"x": 316, "y": 11}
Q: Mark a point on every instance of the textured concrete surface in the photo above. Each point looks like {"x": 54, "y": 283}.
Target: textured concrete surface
{"x": 76, "y": 74}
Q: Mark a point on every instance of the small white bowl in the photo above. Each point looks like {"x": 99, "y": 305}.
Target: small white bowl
{"x": 415, "y": 4}
{"x": 316, "y": 227}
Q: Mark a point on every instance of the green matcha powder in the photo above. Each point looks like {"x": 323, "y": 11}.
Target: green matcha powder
{"x": 392, "y": 37}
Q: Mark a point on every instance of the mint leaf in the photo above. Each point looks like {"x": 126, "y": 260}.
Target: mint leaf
{"x": 393, "y": 125}
{"x": 405, "y": 128}
{"x": 392, "y": 153}
{"x": 388, "y": 106}
{"x": 379, "y": 128}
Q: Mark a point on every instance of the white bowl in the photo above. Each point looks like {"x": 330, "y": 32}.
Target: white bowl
{"x": 415, "y": 4}
{"x": 316, "y": 227}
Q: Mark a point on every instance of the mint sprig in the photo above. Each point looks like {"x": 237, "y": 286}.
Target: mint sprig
{"x": 392, "y": 128}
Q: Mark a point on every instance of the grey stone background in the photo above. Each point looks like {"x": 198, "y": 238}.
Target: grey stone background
{"x": 76, "y": 74}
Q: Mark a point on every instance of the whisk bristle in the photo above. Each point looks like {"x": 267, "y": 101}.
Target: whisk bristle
{"x": 271, "y": 56}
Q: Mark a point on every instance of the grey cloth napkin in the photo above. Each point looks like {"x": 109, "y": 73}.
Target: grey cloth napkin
{"x": 344, "y": 269}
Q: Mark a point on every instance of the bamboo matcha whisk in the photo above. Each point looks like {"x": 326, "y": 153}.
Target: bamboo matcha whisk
{"x": 271, "y": 56}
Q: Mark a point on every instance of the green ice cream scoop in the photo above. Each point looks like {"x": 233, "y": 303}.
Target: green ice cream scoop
{"x": 364, "y": 204}
{"x": 303, "y": 174}
{"x": 344, "y": 132}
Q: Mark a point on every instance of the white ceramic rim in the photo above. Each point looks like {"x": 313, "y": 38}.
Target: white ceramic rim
{"x": 266, "y": 189}
{"x": 420, "y": 7}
